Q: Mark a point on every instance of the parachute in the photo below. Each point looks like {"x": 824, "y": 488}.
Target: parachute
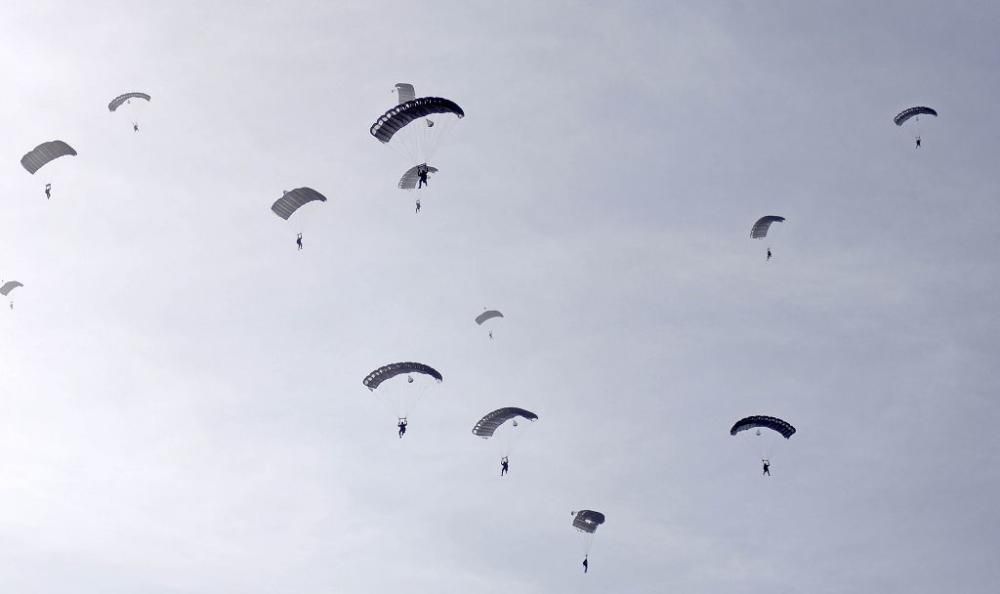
{"x": 587, "y": 520}
{"x": 8, "y": 287}
{"x": 487, "y": 425}
{"x": 285, "y": 206}
{"x": 488, "y": 315}
{"x": 45, "y": 152}
{"x": 783, "y": 427}
{"x": 409, "y": 179}
{"x": 120, "y": 99}
{"x": 759, "y": 230}
{"x": 405, "y": 92}
{"x": 375, "y": 378}
{"x": 395, "y": 119}
{"x": 910, "y": 112}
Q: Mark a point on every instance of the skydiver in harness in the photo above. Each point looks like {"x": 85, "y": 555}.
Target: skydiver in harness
{"x": 586, "y": 565}
{"x": 767, "y": 467}
{"x": 418, "y": 206}
{"x": 491, "y": 335}
{"x": 422, "y": 175}
{"x": 402, "y": 427}
{"x": 135, "y": 127}
{"x": 298, "y": 241}
{"x": 48, "y": 191}
{"x": 504, "y": 466}
{"x": 918, "y": 142}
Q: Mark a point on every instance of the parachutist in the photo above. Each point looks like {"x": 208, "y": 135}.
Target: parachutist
{"x": 768, "y": 254}
{"x": 48, "y": 191}
{"x": 12, "y": 306}
{"x": 504, "y": 466}
{"x": 418, "y": 206}
{"x": 491, "y": 335}
{"x": 767, "y": 467}
{"x": 402, "y": 427}
{"x": 298, "y": 241}
{"x": 135, "y": 127}
{"x": 918, "y": 142}
{"x": 586, "y": 565}
{"x": 422, "y": 176}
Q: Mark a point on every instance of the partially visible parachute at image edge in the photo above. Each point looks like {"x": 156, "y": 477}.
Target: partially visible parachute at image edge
{"x": 398, "y": 117}
{"x": 759, "y": 230}
{"x": 409, "y": 179}
{"x": 45, "y": 152}
{"x": 487, "y": 425}
{"x": 120, "y": 99}
{"x": 774, "y": 423}
{"x": 375, "y": 378}
{"x": 488, "y": 315}
{"x": 8, "y": 287}
{"x": 290, "y": 202}
{"x": 587, "y": 520}
{"x": 910, "y": 112}
{"x": 406, "y": 92}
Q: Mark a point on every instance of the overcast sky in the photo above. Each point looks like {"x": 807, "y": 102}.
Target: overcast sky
{"x": 181, "y": 406}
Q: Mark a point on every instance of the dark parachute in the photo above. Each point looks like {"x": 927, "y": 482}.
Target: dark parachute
{"x": 910, "y": 112}
{"x": 491, "y": 422}
{"x": 45, "y": 152}
{"x": 783, "y": 427}
{"x": 405, "y": 92}
{"x": 8, "y": 287}
{"x": 120, "y": 99}
{"x": 759, "y": 230}
{"x": 409, "y": 179}
{"x": 373, "y": 379}
{"x": 398, "y": 117}
{"x": 587, "y": 520}
{"x": 488, "y": 315}
{"x": 285, "y": 206}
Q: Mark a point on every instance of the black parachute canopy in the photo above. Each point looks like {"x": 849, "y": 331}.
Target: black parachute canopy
{"x": 783, "y": 427}
{"x": 398, "y": 117}
{"x": 120, "y": 99}
{"x": 289, "y": 202}
{"x": 910, "y": 112}
{"x": 373, "y": 379}
{"x": 487, "y": 425}
{"x": 587, "y": 520}
{"x": 759, "y": 229}
{"x": 34, "y": 159}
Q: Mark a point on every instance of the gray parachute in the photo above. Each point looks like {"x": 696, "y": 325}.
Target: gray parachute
{"x": 405, "y": 92}
{"x": 409, "y": 179}
{"x": 911, "y": 112}
{"x": 8, "y": 287}
{"x": 487, "y": 425}
{"x": 759, "y": 230}
{"x": 125, "y": 97}
{"x": 286, "y": 206}
{"x": 587, "y": 520}
{"x": 45, "y": 152}
{"x": 488, "y": 315}
{"x": 375, "y": 378}
{"x": 774, "y": 423}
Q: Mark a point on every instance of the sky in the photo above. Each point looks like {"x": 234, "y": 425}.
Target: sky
{"x": 181, "y": 406}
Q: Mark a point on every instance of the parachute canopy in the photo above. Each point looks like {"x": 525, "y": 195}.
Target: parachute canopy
{"x": 406, "y": 92}
{"x": 910, "y": 112}
{"x": 285, "y": 206}
{"x": 760, "y": 228}
{"x": 398, "y": 117}
{"x": 488, "y": 315}
{"x": 487, "y": 425}
{"x": 45, "y": 152}
{"x": 587, "y": 520}
{"x": 409, "y": 179}
{"x": 8, "y": 287}
{"x": 783, "y": 427}
{"x": 373, "y": 379}
{"x": 117, "y": 101}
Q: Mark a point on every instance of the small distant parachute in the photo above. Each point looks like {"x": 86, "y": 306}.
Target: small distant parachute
{"x": 487, "y": 425}
{"x": 45, "y": 152}
{"x": 759, "y": 230}
{"x": 911, "y": 112}
{"x": 488, "y": 315}
{"x": 375, "y": 378}
{"x": 8, "y": 287}
{"x": 587, "y": 520}
{"x": 410, "y": 178}
{"x": 398, "y": 117}
{"x": 406, "y": 92}
{"x": 783, "y": 427}
{"x": 120, "y": 99}
{"x": 286, "y": 206}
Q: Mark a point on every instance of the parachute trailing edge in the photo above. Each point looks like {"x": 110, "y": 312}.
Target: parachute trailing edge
{"x": 774, "y": 423}
{"x": 587, "y": 520}
{"x": 911, "y": 112}
{"x": 120, "y": 99}
{"x": 759, "y": 230}
{"x": 488, "y": 315}
{"x": 290, "y": 202}
{"x": 487, "y": 425}
{"x": 398, "y": 117}
{"x": 375, "y": 378}
{"x": 45, "y": 152}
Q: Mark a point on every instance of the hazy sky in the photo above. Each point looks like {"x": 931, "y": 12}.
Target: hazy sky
{"x": 182, "y": 408}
